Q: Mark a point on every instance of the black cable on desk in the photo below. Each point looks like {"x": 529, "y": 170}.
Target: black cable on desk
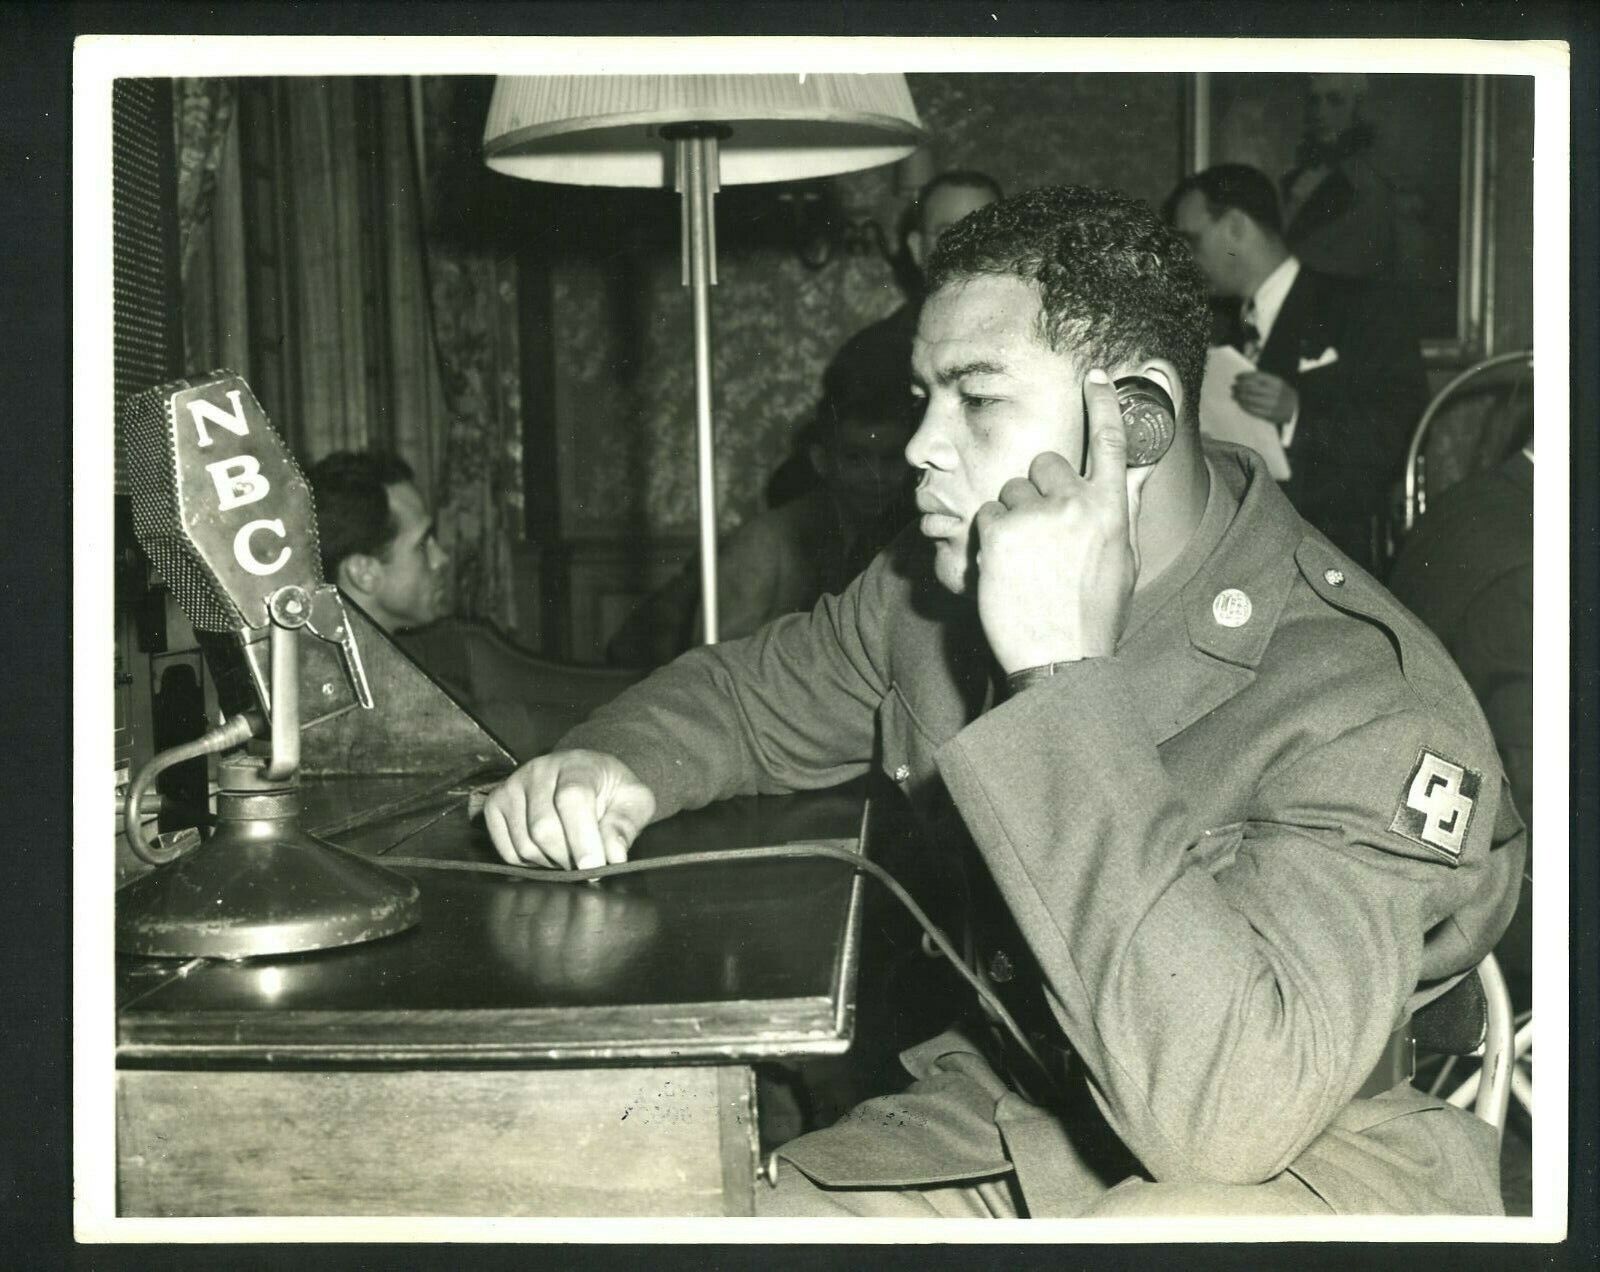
{"x": 780, "y": 852}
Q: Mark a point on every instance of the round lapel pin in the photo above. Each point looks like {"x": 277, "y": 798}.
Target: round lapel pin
{"x": 1231, "y": 607}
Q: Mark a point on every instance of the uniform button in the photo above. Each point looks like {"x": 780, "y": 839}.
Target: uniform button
{"x": 1000, "y": 967}
{"x": 902, "y": 772}
{"x": 1335, "y": 577}
{"x": 1231, "y": 607}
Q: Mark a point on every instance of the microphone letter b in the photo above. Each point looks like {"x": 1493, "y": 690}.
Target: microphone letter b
{"x": 238, "y": 482}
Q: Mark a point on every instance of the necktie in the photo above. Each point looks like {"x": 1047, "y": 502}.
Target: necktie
{"x": 1249, "y": 333}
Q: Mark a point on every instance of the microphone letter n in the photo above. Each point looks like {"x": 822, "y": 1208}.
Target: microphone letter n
{"x": 201, "y": 410}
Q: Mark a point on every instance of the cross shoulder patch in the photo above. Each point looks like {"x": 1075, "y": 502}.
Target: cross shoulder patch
{"x": 1436, "y": 805}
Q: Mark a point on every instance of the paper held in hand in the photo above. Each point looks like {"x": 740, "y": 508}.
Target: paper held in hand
{"x": 1223, "y": 418}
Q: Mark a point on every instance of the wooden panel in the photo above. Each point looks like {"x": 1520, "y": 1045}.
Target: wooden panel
{"x": 647, "y": 1141}
{"x": 527, "y": 585}
{"x": 1511, "y": 186}
{"x": 604, "y": 580}
{"x": 740, "y": 1139}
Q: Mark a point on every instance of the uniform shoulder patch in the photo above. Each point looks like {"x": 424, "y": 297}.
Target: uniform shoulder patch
{"x": 1436, "y": 805}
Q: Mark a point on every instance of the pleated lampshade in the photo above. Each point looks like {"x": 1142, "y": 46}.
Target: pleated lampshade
{"x": 604, "y": 130}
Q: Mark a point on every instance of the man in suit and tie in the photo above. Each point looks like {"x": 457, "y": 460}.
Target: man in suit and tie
{"x": 1338, "y": 369}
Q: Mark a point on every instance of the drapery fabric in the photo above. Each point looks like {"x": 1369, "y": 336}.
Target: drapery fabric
{"x": 202, "y": 112}
{"x": 352, "y": 287}
{"x": 310, "y": 270}
{"x": 472, "y": 281}
{"x": 211, "y": 249}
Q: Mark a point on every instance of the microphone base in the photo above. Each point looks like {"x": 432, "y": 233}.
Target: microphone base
{"x": 259, "y": 887}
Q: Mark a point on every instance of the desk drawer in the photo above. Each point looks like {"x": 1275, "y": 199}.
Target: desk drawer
{"x": 622, "y": 1141}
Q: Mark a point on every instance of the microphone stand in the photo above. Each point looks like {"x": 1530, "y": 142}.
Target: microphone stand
{"x": 260, "y": 885}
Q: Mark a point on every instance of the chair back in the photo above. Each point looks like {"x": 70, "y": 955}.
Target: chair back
{"x": 1471, "y": 424}
{"x": 1474, "y": 1014}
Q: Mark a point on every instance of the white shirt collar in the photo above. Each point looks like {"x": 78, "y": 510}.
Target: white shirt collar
{"x": 1269, "y": 297}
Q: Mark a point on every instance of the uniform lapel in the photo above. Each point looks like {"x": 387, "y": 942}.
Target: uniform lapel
{"x": 1186, "y": 660}
{"x": 944, "y": 669}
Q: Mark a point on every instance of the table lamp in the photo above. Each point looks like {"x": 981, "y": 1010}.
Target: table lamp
{"x": 698, "y": 133}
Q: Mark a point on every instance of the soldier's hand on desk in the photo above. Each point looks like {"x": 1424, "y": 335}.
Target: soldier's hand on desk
{"x": 1056, "y": 553}
{"x": 568, "y": 809}
{"x": 1266, "y": 396}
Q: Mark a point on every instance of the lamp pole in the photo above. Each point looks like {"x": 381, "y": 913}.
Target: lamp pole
{"x": 697, "y": 182}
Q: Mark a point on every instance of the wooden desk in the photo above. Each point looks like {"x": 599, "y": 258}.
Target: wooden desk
{"x": 527, "y": 1049}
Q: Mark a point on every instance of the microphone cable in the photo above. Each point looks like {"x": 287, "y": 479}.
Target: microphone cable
{"x": 802, "y": 850}
{"x": 234, "y": 732}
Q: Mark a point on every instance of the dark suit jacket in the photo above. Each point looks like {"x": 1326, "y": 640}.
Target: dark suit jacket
{"x": 1357, "y": 411}
{"x": 1346, "y": 225}
{"x": 1214, "y": 844}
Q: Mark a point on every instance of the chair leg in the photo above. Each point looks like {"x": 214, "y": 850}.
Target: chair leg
{"x": 1463, "y": 1096}
{"x": 1443, "y": 1076}
{"x": 1496, "y": 1054}
{"x": 1522, "y": 1088}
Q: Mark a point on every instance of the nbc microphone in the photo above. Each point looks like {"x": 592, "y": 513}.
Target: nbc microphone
{"x": 226, "y": 518}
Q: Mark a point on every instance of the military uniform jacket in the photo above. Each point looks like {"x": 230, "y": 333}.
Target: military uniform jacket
{"x": 1240, "y": 851}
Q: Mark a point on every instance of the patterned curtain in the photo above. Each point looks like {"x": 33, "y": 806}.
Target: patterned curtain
{"x": 472, "y": 283}
{"x": 216, "y": 329}
{"x": 202, "y": 111}
{"x": 344, "y": 257}
{"x": 335, "y": 257}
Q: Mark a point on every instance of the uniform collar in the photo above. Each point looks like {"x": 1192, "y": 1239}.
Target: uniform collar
{"x": 1148, "y": 601}
{"x": 1203, "y": 642}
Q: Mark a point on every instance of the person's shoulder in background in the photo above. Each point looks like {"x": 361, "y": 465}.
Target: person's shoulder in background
{"x": 1467, "y": 573}
{"x": 1478, "y": 531}
{"x": 527, "y": 701}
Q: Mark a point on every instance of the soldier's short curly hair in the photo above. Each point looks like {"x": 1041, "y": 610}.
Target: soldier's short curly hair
{"x": 1115, "y": 282}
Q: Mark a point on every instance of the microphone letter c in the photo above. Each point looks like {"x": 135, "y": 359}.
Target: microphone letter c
{"x": 243, "y": 555}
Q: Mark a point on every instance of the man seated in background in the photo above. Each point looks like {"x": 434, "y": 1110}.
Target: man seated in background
{"x": 783, "y": 560}
{"x": 1466, "y": 571}
{"x": 1338, "y": 365}
{"x": 840, "y": 498}
{"x": 942, "y": 201}
{"x": 378, "y": 545}
{"x": 1237, "y": 813}
{"x": 377, "y": 539}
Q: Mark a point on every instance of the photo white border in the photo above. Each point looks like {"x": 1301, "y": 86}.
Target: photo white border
{"x": 98, "y": 59}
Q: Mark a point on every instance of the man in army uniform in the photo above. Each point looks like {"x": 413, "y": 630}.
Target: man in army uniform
{"x": 1242, "y": 811}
